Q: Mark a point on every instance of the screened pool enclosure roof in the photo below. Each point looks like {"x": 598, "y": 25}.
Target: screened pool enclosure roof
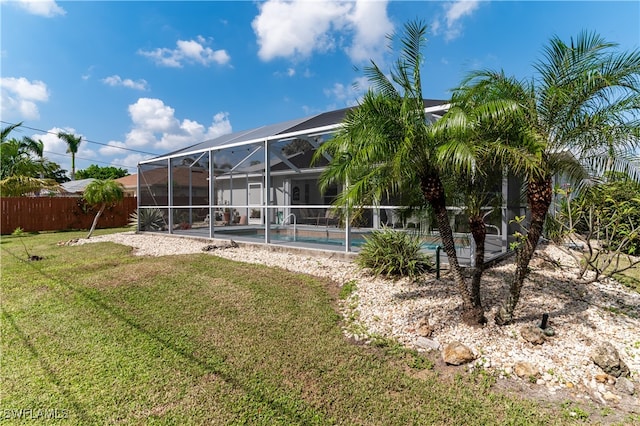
{"x": 317, "y": 124}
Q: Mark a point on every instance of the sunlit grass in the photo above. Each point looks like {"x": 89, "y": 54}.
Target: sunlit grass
{"x": 110, "y": 338}
{"x": 630, "y": 277}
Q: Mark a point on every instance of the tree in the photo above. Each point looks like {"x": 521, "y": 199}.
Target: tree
{"x": 581, "y": 109}
{"x": 18, "y": 186}
{"x": 73, "y": 143}
{"x": 4, "y": 133}
{"x": 53, "y": 171}
{"x": 16, "y": 159}
{"x": 20, "y": 172}
{"x": 16, "y": 154}
{"x": 102, "y": 193}
{"x": 470, "y": 121}
{"x": 601, "y": 224}
{"x": 386, "y": 148}
{"x": 103, "y": 173}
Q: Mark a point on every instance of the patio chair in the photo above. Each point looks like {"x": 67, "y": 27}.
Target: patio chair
{"x": 393, "y": 218}
{"x": 329, "y": 218}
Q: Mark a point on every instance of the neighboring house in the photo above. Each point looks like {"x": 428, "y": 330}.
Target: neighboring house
{"x": 280, "y": 203}
{"x": 75, "y": 188}
{"x": 130, "y": 184}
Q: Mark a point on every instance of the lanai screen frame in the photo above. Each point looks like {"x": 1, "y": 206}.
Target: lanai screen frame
{"x": 266, "y": 137}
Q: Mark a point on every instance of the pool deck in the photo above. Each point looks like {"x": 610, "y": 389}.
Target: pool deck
{"x": 249, "y": 237}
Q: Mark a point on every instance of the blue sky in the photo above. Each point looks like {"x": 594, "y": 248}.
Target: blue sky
{"x": 156, "y": 76}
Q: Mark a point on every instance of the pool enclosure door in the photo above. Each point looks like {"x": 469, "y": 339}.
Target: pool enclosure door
{"x": 255, "y": 202}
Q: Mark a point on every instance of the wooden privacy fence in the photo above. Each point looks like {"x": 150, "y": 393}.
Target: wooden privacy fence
{"x": 60, "y": 214}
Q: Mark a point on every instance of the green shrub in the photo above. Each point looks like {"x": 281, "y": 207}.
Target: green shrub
{"x": 148, "y": 219}
{"x": 394, "y": 254}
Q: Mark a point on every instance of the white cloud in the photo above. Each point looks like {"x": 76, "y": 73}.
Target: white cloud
{"x": 113, "y": 148}
{"x": 296, "y": 29}
{"x": 453, "y": 14}
{"x": 19, "y": 98}
{"x": 155, "y": 127}
{"x": 187, "y": 51}
{"x": 347, "y": 95}
{"x": 371, "y": 25}
{"x": 115, "y": 80}
{"x": 130, "y": 161}
{"x": 46, "y": 8}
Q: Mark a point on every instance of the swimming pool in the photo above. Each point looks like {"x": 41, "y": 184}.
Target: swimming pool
{"x": 332, "y": 237}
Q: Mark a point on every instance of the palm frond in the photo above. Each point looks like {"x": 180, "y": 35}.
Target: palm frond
{"x": 18, "y": 185}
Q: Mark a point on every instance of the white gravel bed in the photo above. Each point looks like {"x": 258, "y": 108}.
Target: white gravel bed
{"x": 582, "y": 315}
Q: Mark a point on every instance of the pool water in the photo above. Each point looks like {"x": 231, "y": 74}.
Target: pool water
{"x": 356, "y": 241}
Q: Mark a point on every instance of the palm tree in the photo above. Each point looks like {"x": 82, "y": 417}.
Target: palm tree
{"x": 4, "y": 133}
{"x": 16, "y": 155}
{"x": 582, "y": 103}
{"x": 471, "y": 119}
{"x": 19, "y": 185}
{"x": 73, "y": 143}
{"x": 386, "y": 148}
{"x": 102, "y": 193}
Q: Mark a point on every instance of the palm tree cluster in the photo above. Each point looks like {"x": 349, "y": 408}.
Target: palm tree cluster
{"x": 23, "y": 167}
{"x": 577, "y": 117}
{"x": 25, "y": 170}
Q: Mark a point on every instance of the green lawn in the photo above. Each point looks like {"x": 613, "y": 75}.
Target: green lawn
{"x": 104, "y": 337}
{"x": 630, "y": 277}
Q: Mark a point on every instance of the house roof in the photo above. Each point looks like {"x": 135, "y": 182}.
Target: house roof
{"x": 76, "y": 186}
{"x": 319, "y": 123}
{"x": 129, "y": 181}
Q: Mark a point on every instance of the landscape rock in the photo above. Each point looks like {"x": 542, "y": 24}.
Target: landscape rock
{"x": 626, "y": 386}
{"x": 549, "y": 332}
{"x": 455, "y": 353}
{"x": 525, "y": 369}
{"x": 604, "y": 378}
{"x": 607, "y": 358}
{"x": 611, "y": 397}
{"x": 532, "y": 334}
{"x": 424, "y": 329}
{"x": 425, "y": 343}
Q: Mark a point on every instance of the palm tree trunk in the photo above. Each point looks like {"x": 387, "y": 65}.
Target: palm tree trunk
{"x": 479, "y": 233}
{"x": 539, "y": 194}
{"x": 95, "y": 219}
{"x": 433, "y": 191}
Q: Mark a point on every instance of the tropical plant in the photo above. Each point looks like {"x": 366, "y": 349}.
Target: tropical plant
{"x": 73, "y": 143}
{"x": 386, "y": 148}
{"x": 579, "y": 111}
{"x": 147, "y": 220}
{"x": 16, "y": 154}
{"x": 97, "y": 172}
{"x": 102, "y": 193}
{"x": 20, "y": 172}
{"x": 478, "y": 189}
{"x": 394, "y": 254}
{"x": 602, "y": 225}
{"x": 18, "y": 186}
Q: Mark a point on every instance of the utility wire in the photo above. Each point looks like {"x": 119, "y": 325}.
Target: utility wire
{"x": 92, "y": 160}
{"x": 84, "y": 139}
